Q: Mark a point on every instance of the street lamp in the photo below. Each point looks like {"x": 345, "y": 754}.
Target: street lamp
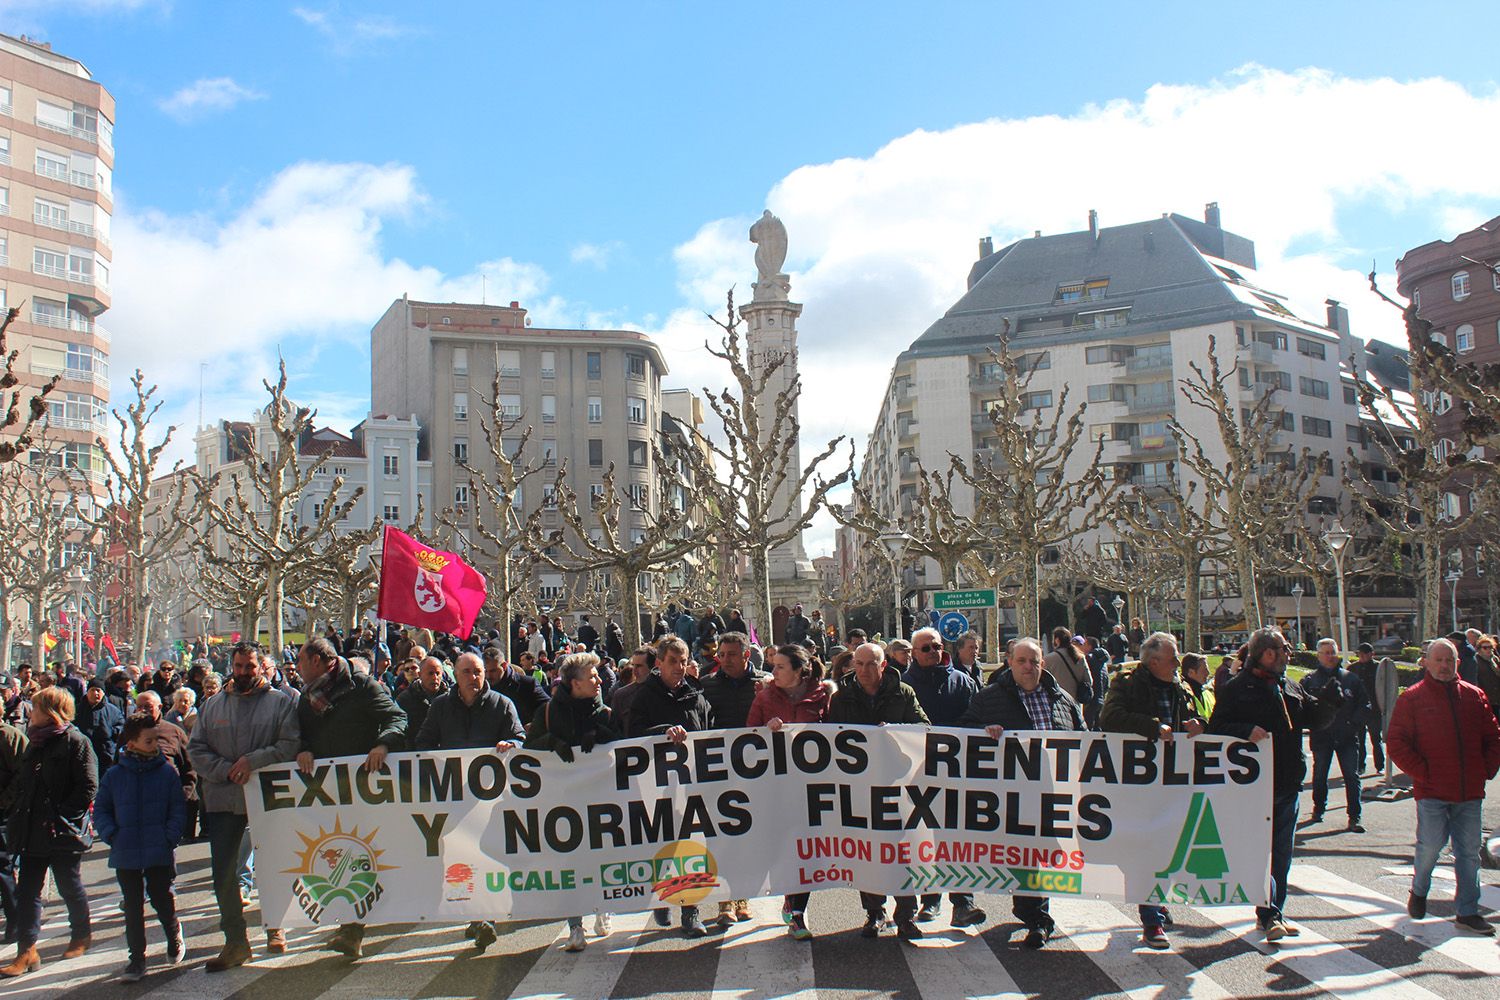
{"x": 1297, "y": 596}
{"x": 1453, "y": 577}
{"x": 78, "y": 583}
{"x": 895, "y": 544}
{"x": 1119, "y": 605}
{"x": 1337, "y": 540}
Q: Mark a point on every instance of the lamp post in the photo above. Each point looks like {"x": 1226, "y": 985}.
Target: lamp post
{"x": 1297, "y": 596}
{"x": 1337, "y": 540}
{"x": 895, "y": 545}
{"x": 1119, "y": 605}
{"x": 78, "y": 583}
{"x": 1453, "y": 577}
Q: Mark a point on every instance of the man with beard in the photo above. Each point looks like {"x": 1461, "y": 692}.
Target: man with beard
{"x": 248, "y": 725}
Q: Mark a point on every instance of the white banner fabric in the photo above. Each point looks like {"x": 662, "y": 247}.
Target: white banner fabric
{"x": 467, "y": 835}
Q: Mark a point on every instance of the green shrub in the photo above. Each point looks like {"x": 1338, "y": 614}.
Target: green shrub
{"x": 1411, "y": 654}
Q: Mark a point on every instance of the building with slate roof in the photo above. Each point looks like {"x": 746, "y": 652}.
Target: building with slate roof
{"x": 1115, "y": 316}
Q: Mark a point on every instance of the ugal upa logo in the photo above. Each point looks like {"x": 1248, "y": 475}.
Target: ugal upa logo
{"x": 1200, "y": 859}
{"x": 337, "y": 866}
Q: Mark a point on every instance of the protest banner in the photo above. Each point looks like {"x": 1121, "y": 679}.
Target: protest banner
{"x": 465, "y": 835}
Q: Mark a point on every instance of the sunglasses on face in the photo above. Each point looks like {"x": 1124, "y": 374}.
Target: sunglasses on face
{"x": 927, "y": 648}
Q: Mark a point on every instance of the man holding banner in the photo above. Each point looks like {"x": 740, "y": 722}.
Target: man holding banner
{"x": 1025, "y": 697}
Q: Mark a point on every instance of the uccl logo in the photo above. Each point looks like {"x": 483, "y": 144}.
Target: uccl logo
{"x": 1200, "y": 854}
{"x": 685, "y": 873}
{"x": 337, "y": 865}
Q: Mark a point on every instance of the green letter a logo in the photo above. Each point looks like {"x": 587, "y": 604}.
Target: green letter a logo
{"x": 1200, "y": 850}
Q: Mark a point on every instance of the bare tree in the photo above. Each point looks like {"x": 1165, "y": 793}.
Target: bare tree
{"x": 934, "y": 527}
{"x": 1024, "y": 499}
{"x": 738, "y": 479}
{"x": 260, "y": 519}
{"x": 1255, "y": 487}
{"x": 40, "y": 519}
{"x": 143, "y": 528}
{"x": 16, "y": 427}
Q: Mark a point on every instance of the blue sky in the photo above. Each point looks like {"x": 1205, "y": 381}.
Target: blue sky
{"x": 285, "y": 170}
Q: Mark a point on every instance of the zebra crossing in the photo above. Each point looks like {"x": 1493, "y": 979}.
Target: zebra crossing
{"x": 1357, "y": 943}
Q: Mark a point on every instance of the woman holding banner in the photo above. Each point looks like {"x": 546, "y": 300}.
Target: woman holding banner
{"x": 796, "y": 694}
{"x": 575, "y": 717}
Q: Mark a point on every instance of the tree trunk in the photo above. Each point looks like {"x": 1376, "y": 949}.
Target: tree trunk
{"x": 38, "y": 627}
{"x": 760, "y": 572}
{"x": 140, "y": 626}
{"x": 630, "y": 610}
{"x": 1192, "y": 611}
{"x": 5, "y": 634}
{"x": 250, "y": 619}
{"x": 275, "y": 606}
{"x": 1249, "y": 600}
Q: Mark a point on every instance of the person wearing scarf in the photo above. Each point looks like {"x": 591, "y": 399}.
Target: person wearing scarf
{"x": 48, "y": 825}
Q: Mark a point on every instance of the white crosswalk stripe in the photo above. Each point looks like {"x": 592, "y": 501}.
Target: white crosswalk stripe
{"x": 759, "y": 960}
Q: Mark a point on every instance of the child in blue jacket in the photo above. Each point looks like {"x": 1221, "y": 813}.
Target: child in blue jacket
{"x": 140, "y": 812}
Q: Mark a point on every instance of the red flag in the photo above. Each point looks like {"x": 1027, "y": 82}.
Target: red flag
{"x": 425, "y": 588}
{"x": 109, "y": 646}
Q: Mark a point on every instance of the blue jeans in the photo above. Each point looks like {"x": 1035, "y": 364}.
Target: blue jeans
{"x": 1439, "y": 822}
{"x": 1348, "y": 755}
{"x": 1283, "y": 836}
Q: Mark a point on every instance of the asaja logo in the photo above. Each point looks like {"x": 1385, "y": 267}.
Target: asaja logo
{"x": 337, "y": 866}
{"x": 1199, "y": 854}
{"x": 685, "y": 873}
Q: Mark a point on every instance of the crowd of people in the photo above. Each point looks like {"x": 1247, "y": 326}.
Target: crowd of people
{"x": 144, "y": 760}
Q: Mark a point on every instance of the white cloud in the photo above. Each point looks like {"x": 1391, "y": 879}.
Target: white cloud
{"x": 880, "y": 246}
{"x": 207, "y": 96}
{"x": 347, "y": 34}
{"x": 597, "y": 255}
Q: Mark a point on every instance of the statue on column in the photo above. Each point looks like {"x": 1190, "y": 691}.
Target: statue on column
{"x": 769, "y": 237}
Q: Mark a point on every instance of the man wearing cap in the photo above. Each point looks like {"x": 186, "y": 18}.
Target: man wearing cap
{"x": 897, "y": 652}
{"x": 101, "y": 722}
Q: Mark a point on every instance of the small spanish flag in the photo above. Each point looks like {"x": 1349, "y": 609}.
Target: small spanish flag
{"x": 49, "y": 640}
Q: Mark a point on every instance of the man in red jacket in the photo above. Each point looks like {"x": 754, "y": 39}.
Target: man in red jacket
{"x": 1445, "y": 736}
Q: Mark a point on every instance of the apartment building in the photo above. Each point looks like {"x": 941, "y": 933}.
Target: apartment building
{"x": 56, "y": 165}
{"x": 1115, "y": 317}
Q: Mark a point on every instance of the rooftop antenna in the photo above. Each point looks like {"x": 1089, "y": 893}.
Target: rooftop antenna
{"x": 202, "y": 367}
{"x": 484, "y": 290}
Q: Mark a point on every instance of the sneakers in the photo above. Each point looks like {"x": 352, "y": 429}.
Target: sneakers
{"x": 601, "y": 924}
{"x": 692, "y": 927}
{"x": 1475, "y": 924}
{"x": 742, "y": 910}
{"x": 874, "y": 924}
{"x": 134, "y": 972}
{"x": 276, "y": 941}
{"x": 1167, "y": 922}
{"x": 176, "y": 948}
{"x": 1416, "y": 906}
{"x": 484, "y": 935}
{"x": 967, "y": 916}
{"x": 1155, "y": 936}
{"x": 232, "y": 955}
{"x": 907, "y": 930}
{"x": 1036, "y": 937}
{"x": 928, "y": 913}
{"x": 576, "y": 940}
{"x": 798, "y": 926}
{"x": 726, "y": 912}
{"x": 1354, "y": 827}
{"x": 1276, "y": 930}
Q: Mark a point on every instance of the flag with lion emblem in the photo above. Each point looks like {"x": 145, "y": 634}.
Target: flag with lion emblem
{"x": 426, "y": 588}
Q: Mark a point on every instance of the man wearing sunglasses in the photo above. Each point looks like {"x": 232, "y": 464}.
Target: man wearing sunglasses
{"x": 944, "y": 694}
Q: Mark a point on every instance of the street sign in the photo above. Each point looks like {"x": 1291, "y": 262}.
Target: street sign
{"x": 953, "y": 625}
{"x": 963, "y": 600}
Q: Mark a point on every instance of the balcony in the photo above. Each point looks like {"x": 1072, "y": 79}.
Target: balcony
{"x": 68, "y": 130}
{"x": 1140, "y": 406}
{"x": 67, "y": 225}
{"x": 4, "y": 158}
{"x": 1153, "y": 447}
{"x": 1148, "y": 365}
{"x": 1258, "y": 353}
{"x": 71, "y": 375}
{"x": 7, "y": 110}
{"x": 981, "y": 422}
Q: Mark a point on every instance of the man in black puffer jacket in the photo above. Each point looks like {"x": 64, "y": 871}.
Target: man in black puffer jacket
{"x": 1026, "y": 697}
{"x": 671, "y": 704}
{"x": 342, "y": 714}
{"x": 730, "y": 690}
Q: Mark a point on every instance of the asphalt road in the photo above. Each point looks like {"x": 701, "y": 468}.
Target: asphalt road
{"x": 1349, "y": 892}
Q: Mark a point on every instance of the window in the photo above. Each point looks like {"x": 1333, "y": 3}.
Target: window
{"x": 1082, "y": 291}
{"x": 1354, "y": 434}
{"x": 517, "y": 499}
{"x": 596, "y": 497}
{"x": 595, "y": 365}
{"x": 318, "y": 511}
{"x": 1313, "y": 387}
{"x": 549, "y": 409}
{"x": 5, "y": 101}
{"x": 549, "y": 496}
{"x": 460, "y": 449}
{"x": 51, "y": 214}
{"x": 1275, "y": 338}
{"x": 1109, "y": 392}
{"x": 640, "y": 495}
{"x": 1351, "y": 395}
{"x": 1317, "y": 427}
{"x": 461, "y": 496}
{"x": 341, "y": 470}
{"x": 596, "y": 409}
{"x": 1239, "y": 335}
{"x": 1460, "y": 286}
{"x": 1101, "y": 432}
{"x": 549, "y": 364}
{"x": 52, "y": 263}
{"x": 392, "y": 465}
{"x": 637, "y": 453}
{"x": 1036, "y": 400}
{"x": 1311, "y": 349}
{"x": 50, "y": 164}
{"x": 1108, "y": 354}
{"x": 1438, "y": 402}
{"x": 1438, "y": 337}
{"x": 596, "y": 453}
{"x": 510, "y": 363}
{"x": 989, "y": 371}
{"x": 1106, "y": 319}
{"x": 510, "y": 405}
{"x": 635, "y": 410}
{"x": 1281, "y": 380}
{"x": 391, "y": 512}
{"x": 460, "y": 361}
{"x": 1463, "y": 339}
{"x": 1244, "y": 378}
{"x": 1327, "y": 506}
{"x": 460, "y": 406}
{"x": 1442, "y": 449}
{"x": 1034, "y": 362}
{"x": 635, "y": 365}
{"x": 1452, "y": 506}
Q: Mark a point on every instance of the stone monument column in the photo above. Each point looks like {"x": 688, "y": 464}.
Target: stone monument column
{"x": 771, "y": 333}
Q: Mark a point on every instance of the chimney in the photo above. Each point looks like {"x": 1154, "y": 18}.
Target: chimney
{"x": 1036, "y": 234}
{"x": 1211, "y": 214}
{"x": 1338, "y": 317}
{"x": 986, "y": 247}
{"x": 1150, "y": 241}
{"x": 1094, "y": 225}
